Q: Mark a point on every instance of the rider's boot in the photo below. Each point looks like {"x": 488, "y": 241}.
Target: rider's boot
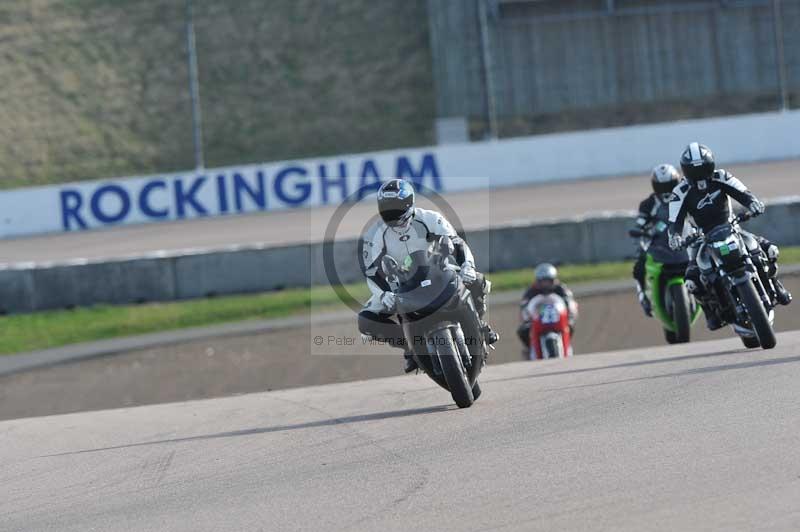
{"x": 489, "y": 334}
{"x": 696, "y": 288}
{"x": 783, "y": 296}
{"x": 712, "y": 320}
{"x": 409, "y": 364}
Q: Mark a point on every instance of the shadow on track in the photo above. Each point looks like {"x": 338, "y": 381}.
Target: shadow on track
{"x": 278, "y": 428}
{"x": 617, "y": 366}
{"x": 695, "y": 371}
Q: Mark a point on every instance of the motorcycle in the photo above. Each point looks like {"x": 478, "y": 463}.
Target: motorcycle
{"x": 550, "y": 335}
{"x": 439, "y": 318}
{"x": 674, "y": 307}
{"x": 736, "y": 271}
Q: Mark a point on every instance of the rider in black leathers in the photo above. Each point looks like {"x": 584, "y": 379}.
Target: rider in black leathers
{"x": 654, "y": 209}
{"x": 705, "y": 195}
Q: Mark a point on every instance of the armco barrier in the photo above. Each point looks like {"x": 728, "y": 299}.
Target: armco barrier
{"x": 243, "y": 269}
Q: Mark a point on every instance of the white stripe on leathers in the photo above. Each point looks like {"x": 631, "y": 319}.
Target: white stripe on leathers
{"x": 694, "y": 148}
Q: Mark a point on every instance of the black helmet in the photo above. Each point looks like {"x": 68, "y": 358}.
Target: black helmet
{"x": 697, "y": 162}
{"x": 664, "y": 178}
{"x": 396, "y": 202}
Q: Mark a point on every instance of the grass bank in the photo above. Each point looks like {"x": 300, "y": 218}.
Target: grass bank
{"x": 26, "y": 332}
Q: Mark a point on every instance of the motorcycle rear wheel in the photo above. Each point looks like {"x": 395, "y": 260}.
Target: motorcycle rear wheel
{"x": 453, "y": 370}
{"x": 476, "y": 390}
{"x": 758, "y": 315}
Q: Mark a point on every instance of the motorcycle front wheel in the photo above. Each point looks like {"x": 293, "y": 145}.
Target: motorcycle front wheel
{"x": 453, "y": 369}
{"x": 758, "y": 315}
{"x": 750, "y": 342}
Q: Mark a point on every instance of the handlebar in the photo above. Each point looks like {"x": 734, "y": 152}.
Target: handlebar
{"x": 743, "y": 217}
{"x": 739, "y": 218}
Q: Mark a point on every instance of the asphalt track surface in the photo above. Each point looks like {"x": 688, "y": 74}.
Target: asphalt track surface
{"x": 482, "y": 209}
{"x": 698, "y": 437}
{"x": 287, "y": 358}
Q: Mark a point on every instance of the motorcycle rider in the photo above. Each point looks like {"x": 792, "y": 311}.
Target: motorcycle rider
{"x": 545, "y": 281}
{"x": 704, "y": 194}
{"x": 654, "y": 211}
{"x": 402, "y": 230}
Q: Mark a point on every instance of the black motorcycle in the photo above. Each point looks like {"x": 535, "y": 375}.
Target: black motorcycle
{"x": 440, "y": 322}
{"x": 744, "y": 294}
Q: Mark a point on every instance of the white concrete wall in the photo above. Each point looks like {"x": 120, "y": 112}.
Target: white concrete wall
{"x": 469, "y": 166}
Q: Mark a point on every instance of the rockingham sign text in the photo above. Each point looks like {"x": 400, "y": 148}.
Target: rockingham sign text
{"x": 235, "y": 191}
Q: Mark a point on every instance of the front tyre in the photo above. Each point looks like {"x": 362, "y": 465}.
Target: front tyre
{"x": 670, "y": 336}
{"x": 453, "y": 369}
{"x": 681, "y": 313}
{"x": 758, "y": 315}
{"x": 552, "y": 349}
{"x": 750, "y": 342}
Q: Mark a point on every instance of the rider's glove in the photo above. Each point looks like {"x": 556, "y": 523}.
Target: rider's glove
{"x": 388, "y": 300}
{"x": 675, "y": 242}
{"x": 468, "y": 273}
{"x": 757, "y": 207}
{"x": 773, "y": 252}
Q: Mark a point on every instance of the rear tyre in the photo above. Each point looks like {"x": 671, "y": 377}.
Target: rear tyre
{"x": 681, "y": 313}
{"x": 750, "y": 342}
{"x": 758, "y": 315}
{"x": 670, "y": 336}
{"x": 453, "y": 370}
{"x": 476, "y": 391}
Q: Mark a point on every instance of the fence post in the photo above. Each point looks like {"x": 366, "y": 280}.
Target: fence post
{"x": 780, "y": 55}
{"x": 488, "y": 70}
{"x": 194, "y": 89}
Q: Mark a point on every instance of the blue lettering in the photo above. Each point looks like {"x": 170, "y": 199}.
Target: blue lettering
{"x": 188, "y": 197}
{"x": 303, "y": 188}
{"x": 427, "y": 168}
{"x": 222, "y": 194}
{"x": 258, "y": 196}
{"x": 125, "y": 204}
{"x": 340, "y": 182}
{"x": 71, "y": 201}
{"x": 144, "y": 200}
{"x": 368, "y": 170}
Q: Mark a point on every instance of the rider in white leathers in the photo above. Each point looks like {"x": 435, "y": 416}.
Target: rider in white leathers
{"x": 402, "y": 230}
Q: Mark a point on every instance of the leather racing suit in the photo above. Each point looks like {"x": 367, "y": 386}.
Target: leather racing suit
{"x": 423, "y": 230}
{"x": 708, "y": 203}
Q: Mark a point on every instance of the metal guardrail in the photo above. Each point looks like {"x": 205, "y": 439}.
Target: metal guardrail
{"x": 31, "y": 287}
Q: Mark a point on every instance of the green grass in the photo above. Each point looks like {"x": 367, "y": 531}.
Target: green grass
{"x": 26, "y": 332}
{"x": 97, "y": 88}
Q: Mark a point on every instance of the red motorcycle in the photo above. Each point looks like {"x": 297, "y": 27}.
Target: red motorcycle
{"x": 550, "y": 332}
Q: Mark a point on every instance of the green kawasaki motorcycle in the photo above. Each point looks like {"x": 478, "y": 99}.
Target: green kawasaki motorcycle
{"x": 675, "y": 308}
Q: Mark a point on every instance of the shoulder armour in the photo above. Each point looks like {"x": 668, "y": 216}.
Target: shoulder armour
{"x": 434, "y": 222}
